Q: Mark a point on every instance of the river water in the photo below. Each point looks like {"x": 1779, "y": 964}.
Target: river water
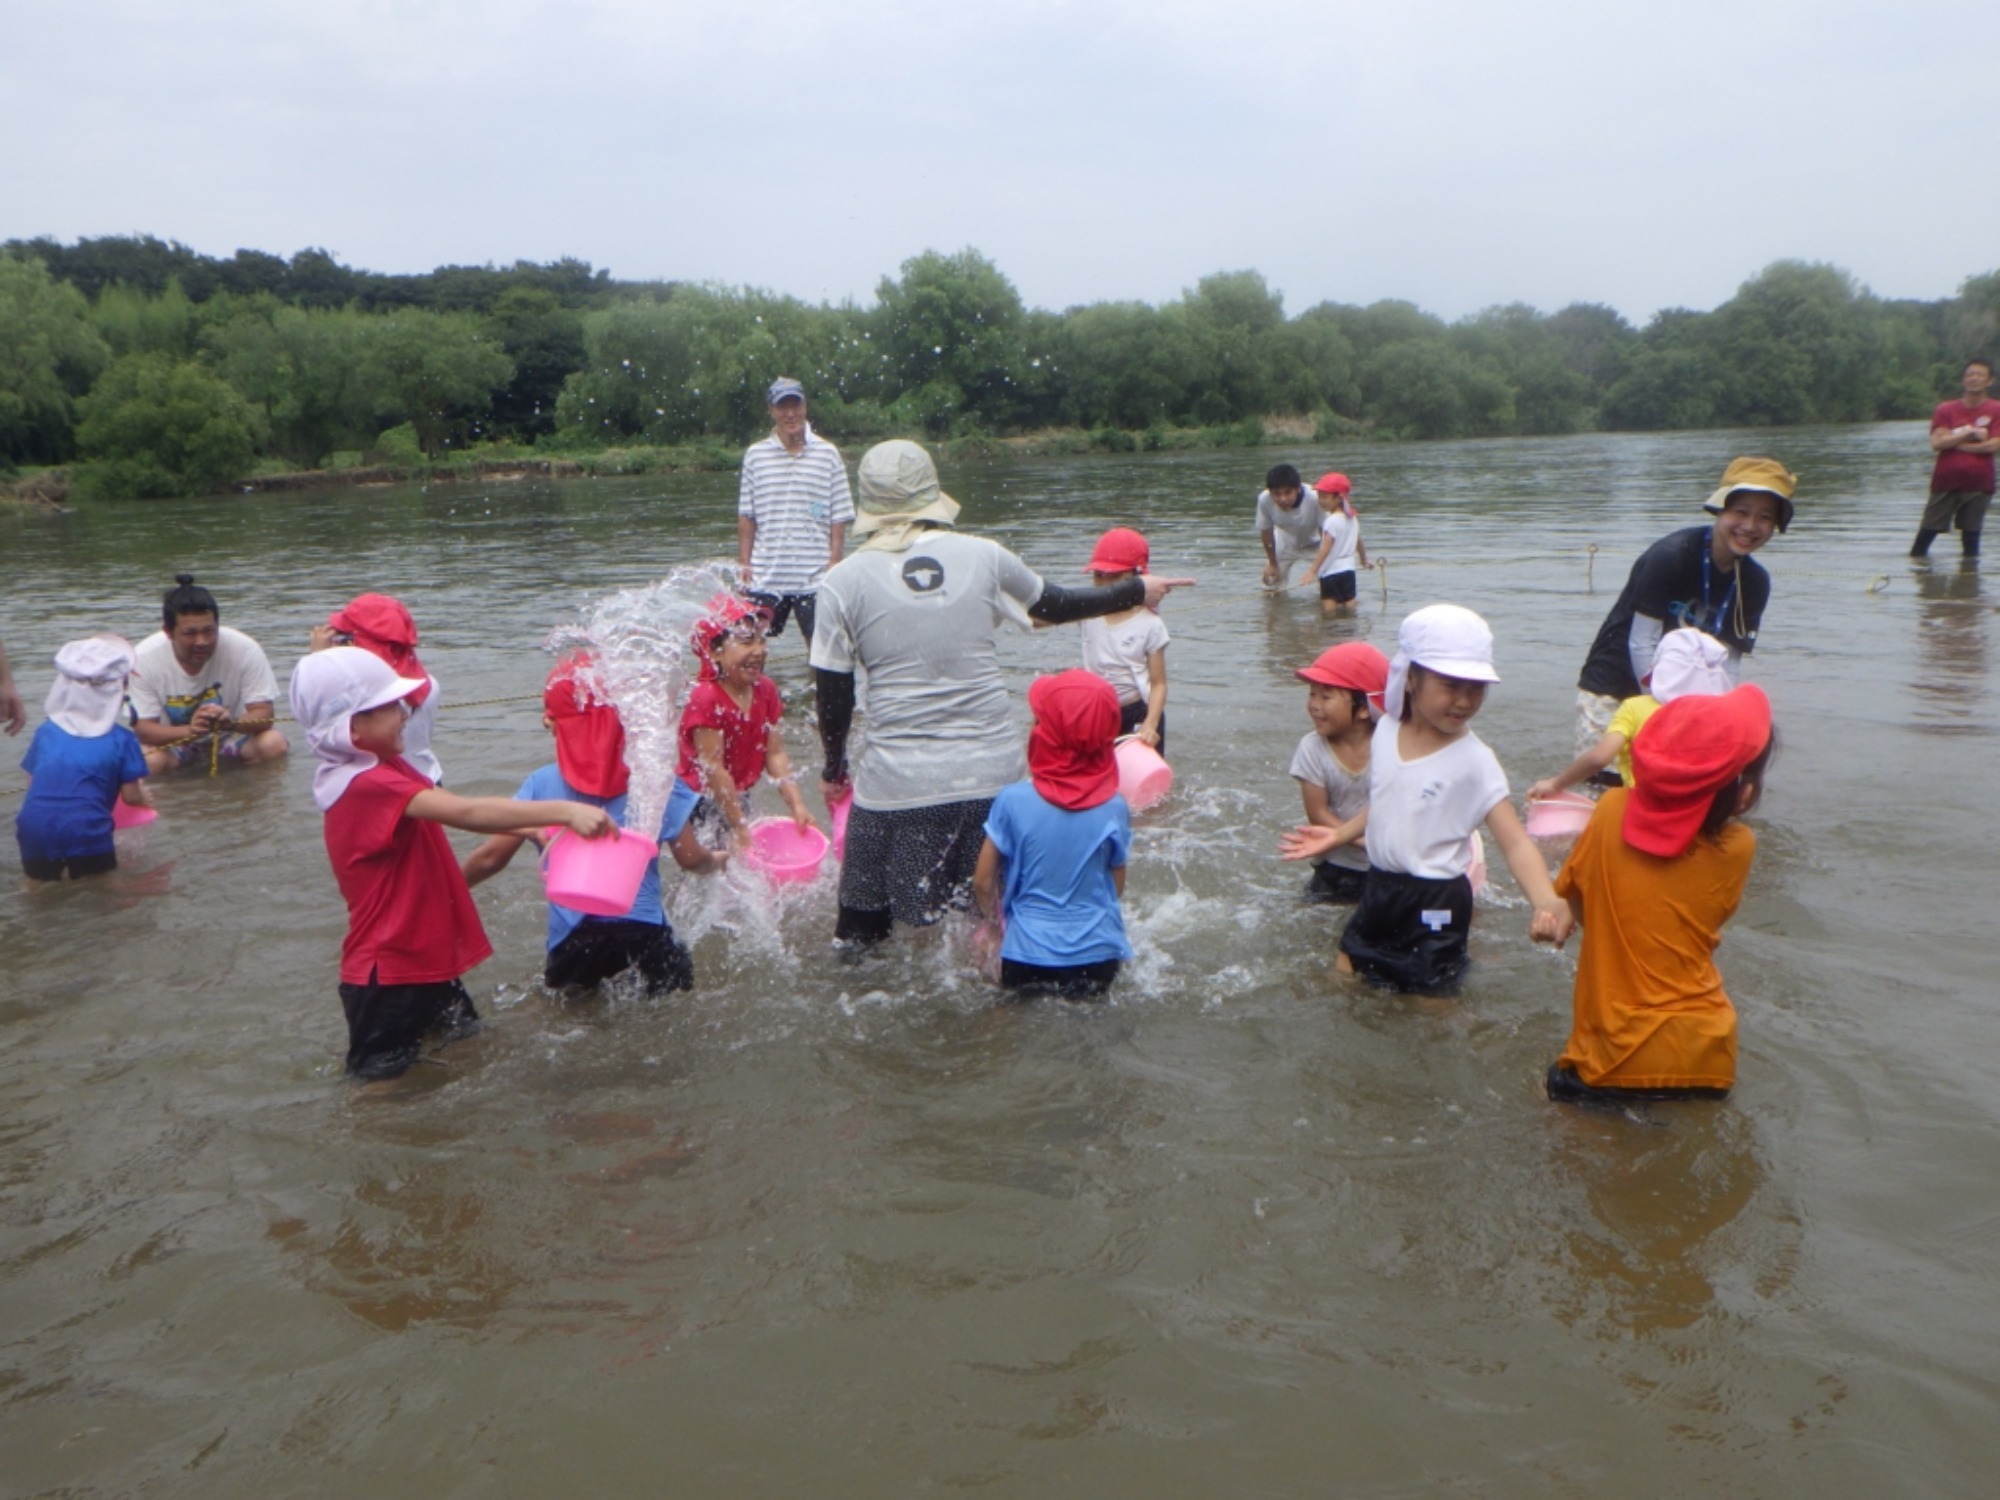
{"x": 833, "y": 1231}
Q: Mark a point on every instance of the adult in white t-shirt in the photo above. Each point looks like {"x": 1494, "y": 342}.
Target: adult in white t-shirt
{"x": 196, "y": 681}
{"x": 915, "y": 611}
{"x": 1288, "y": 516}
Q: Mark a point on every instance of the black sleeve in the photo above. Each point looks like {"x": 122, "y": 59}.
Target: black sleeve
{"x": 1060, "y": 606}
{"x": 836, "y": 717}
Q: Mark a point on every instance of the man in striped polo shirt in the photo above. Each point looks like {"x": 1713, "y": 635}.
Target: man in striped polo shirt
{"x": 792, "y": 511}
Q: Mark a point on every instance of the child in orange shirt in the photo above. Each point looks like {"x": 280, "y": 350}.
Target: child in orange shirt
{"x": 1659, "y": 869}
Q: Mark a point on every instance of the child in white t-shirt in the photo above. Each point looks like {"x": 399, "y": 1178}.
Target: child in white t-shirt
{"x": 1331, "y": 763}
{"x": 1128, "y": 648}
{"x": 1431, "y": 784}
{"x": 1340, "y": 548}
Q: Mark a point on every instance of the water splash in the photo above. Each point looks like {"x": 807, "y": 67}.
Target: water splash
{"x": 639, "y": 639}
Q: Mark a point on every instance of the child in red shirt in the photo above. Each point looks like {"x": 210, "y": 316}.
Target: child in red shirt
{"x": 412, "y": 929}
{"x": 729, "y": 729}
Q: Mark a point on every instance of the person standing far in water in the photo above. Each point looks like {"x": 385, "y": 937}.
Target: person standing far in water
{"x": 197, "y": 678}
{"x": 916, "y": 612}
{"x": 1965, "y": 434}
{"x": 1287, "y": 523}
{"x": 13, "y": 711}
{"x": 793, "y": 508}
{"x": 1702, "y": 576}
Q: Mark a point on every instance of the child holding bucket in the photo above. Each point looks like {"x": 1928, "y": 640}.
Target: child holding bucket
{"x": 729, "y": 728}
{"x": 82, "y": 761}
{"x": 1052, "y": 868}
{"x": 1343, "y": 697}
{"x": 1340, "y": 547}
{"x": 1431, "y": 784}
{"x": 1652, "y": 879}
{"x": 1128, "y": 647}
{"x": 1687, "y": 661}
{"x": 585, "y": 950}
{"x": 412, "y": 930}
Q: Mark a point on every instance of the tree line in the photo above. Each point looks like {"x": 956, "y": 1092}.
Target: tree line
{"x": 160, "y": 371}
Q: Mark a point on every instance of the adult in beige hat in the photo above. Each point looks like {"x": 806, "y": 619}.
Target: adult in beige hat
{"x": 1703, "y": 576}
{"x": 916, "y": 608}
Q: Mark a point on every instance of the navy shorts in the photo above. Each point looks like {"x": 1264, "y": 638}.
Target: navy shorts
{"x": 388, "y": 1024}
{"x": 601, "y": 947}
{"x": 1338, "y": 587}
{"x": 1068, "y": 981}
{"x": 75, "y": 867}
{"x": 1132, "y": 715}
{"x": 1409, "y": 933}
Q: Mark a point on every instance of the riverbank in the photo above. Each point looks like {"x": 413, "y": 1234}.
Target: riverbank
{"x": 49, "y": 489}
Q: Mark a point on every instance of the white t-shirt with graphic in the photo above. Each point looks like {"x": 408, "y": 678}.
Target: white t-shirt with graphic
{"x": 236, "y": 676}
{"x": 1422, "y": 812}
{"x": 1118, "y": 653}
{"x": 1315, "y": 764}
{"x": 921, "y": 628}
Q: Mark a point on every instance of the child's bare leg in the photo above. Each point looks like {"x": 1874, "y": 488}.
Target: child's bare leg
{"x": 1344, "y": 964}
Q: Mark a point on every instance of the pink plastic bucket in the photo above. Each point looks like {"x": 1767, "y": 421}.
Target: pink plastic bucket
{"x": 1142, "y": 776}
{"x": 1559, "y": 817}
{"x": 598, "y": 877}
{"x": 836, "y": 814}
{"x": 783, "y": 854}
{"x": 125, "y": 815}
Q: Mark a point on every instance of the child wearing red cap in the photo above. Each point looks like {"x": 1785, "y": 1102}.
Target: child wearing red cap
{"x": 1053, "y": 864}
{"x": 384, "y": 627}
{"x": 1340, "y": 547}
{"x": 1331, "y": 764}
{"x": 729, "y": 728}
{"x": 585, "y": 951}
{"x": 1655, "y": 874}
{"x": 1128, "y": 647}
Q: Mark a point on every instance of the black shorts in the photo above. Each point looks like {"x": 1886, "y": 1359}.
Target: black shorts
{"x": 1409, "y": 933}
{"x": 1132, "y": 715}
{"x": 910, "y": 866}
{"x": 1338, "y": 587}
{"x": 75, "y": 867}
{"x": 1566, "y": 1088}
{"x": 1337, "y": 883}
{"x": 601, "y": 947}
{"x": 783, "y": 606}
{"x": 1067, "y": 981}
{"x": 387, "y": 1024}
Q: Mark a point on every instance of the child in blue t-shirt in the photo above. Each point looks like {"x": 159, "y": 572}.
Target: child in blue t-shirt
{"x": 584, "y": 951}
{"x": 1053, "y": 864}
{"x": 82, "y": 760}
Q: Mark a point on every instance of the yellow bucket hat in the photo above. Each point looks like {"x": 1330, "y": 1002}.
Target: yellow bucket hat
{"x": 1765, "y": 475}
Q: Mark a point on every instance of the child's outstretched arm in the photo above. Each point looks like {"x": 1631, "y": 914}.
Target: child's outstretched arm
{"x": 505, "y": 815}
{"x": 1585, "y": 766}
{"x": 692, "y": 855}
{"x": 1310, "y": 842}
{"x": 1552, "y": 920}
{"x": 717, "y": 782}
{"x": 491, "y": 857}
{"x": 1156, "y": 696}
{"x": 778, "y": 766}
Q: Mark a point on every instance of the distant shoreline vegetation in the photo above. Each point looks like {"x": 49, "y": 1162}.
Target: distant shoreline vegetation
{"x": 145, "y": 369}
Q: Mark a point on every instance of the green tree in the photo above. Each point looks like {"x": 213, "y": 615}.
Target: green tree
{"x": 152, "y": 427}
{"x": 49, "y": 354}
{"x": 953, "y": 322}
{"x": 1800, "y": 344}
{"x": 437, "y": 371}
{"x": 303, "y": 370}
{"x": 131, "y": 321}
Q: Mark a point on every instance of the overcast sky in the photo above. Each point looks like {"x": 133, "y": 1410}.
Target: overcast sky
{"x": 1455, "y": 154}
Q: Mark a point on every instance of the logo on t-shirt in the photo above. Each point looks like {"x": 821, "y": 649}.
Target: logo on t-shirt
{"x": 923, "y": 575}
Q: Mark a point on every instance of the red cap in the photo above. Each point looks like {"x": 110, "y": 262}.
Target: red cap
{"x": 1351, "y": 664}
{"x": 1333, "y": 484}
{"x": 1682, "y": 756}
{"x": 725, "y": 613}
{"x": 590, "y": 740}
{"x": 1072, "y": 750}
{"x": 1119, "y": 550}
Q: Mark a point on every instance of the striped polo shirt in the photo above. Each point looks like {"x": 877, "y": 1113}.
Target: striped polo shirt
{"x": 794, "y": 498}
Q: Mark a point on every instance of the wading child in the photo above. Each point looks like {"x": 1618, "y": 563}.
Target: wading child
{"x": 1340, "y": 548}
{"x": 1128, "y": 647}
{"x": 729, "y": 728}
{"x": 1653, "y": 877}
{"x": 1053, "y": 864}
{"x": 1431, "y": 783}
{"x": 1343, "y": 698}
{"x": 384, "y": 627}
{"x": 412, "y": 930}
{"x": 82, "y": 760}
{"x": 584, "y": 951}
{"x": 1687, "y": 662}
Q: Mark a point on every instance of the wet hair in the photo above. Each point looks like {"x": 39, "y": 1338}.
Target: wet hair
{"x": 1726, "y": 804}
{"x": 1283, "y": 477}
{"x": 1362, "y": 708}
{"x": 1410, "y": 681}
{"x": 1980, "y": 360}
{"x": 187, "y": 597}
